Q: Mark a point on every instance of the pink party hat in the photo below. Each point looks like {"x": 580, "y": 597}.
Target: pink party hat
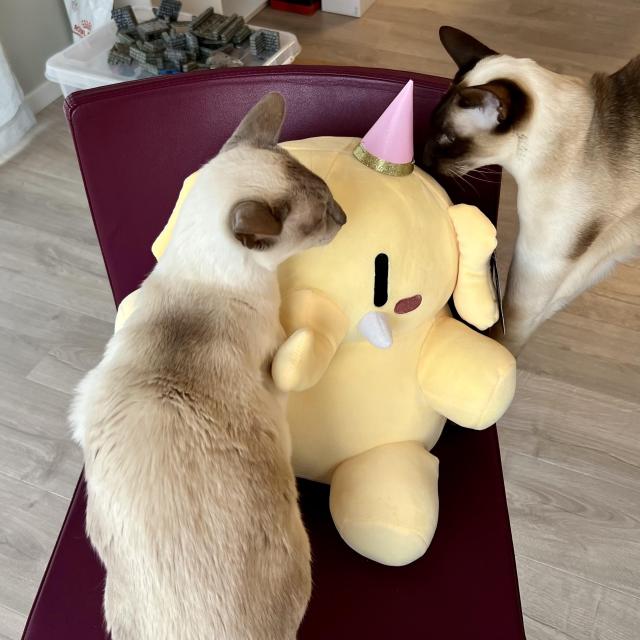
{"x": 388, "y": 145}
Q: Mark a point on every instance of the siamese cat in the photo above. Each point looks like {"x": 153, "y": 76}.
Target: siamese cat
{"x": 192, "y": 503}
{"x": 573, "y": 147}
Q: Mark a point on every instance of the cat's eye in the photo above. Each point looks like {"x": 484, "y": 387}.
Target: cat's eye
{"x": 446, "y": 138}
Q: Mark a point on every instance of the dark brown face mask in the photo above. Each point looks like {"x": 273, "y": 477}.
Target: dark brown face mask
{"x": 510, "y": 101}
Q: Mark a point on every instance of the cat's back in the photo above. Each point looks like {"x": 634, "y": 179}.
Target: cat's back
{"x": 616, "y": 123}
{"x": 190, "y": 486}
{"x": 180, "y": 389}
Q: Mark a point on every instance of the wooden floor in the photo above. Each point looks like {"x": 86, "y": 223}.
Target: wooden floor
{"x": 571, "y": 441}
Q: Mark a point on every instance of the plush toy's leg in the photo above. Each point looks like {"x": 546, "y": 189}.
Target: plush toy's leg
{"x": 384, "y": 502}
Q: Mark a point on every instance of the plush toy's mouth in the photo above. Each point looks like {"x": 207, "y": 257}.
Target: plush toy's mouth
{"x": 408, "y": 304}
{"x": 374, "y": 326}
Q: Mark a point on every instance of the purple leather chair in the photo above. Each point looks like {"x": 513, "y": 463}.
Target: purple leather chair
{"x": 136, "y": 143}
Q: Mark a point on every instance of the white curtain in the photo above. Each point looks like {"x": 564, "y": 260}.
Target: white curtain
{"x": 16, "y": 118}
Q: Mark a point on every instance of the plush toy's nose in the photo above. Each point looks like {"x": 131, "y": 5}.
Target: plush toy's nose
{"x": 408, "y": 304}
{"x": 375, "y": 328}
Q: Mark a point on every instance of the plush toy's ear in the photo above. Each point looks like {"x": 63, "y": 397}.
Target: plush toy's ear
{"x": 474, "y": 294}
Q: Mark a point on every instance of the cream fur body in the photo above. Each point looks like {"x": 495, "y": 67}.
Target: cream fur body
{"x": 569, "y": 183}
{"x": 192, "y": 503}
{"x": 191, "y": 498}
{"x": 572, "y": 146}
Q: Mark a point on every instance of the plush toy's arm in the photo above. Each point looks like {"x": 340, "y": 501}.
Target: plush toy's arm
{"x": 466, "y": 376}
{"x": 474, "y": 295}
{"x": 125, "y": 309}
{"x": 316, "y": 326}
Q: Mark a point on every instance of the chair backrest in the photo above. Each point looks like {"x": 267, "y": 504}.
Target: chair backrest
{"x": 136, "y": 142}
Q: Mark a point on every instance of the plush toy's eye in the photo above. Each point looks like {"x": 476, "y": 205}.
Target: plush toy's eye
{"x": 381, "y": 280}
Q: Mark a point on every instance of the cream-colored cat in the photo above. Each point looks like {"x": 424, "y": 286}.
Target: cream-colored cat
{"x": 192, "y": 503}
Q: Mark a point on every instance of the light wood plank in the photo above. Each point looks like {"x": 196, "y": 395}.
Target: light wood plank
{"x": 11, "y": 623}
{"x": 35, "y": 443}
{"x": 536, "y": 630}
{"x": 584, "y": 431}
{"x": 57, "y": 374}
{"x": 574, "y": 522}
{"x": 30, "y": 519}
{"x": 51, "y": 151}
{"x": 569, "y": 37}
{"x": 562, "y": 605}
{"x": 55, "y": 326}
{"x": 56, "y": 314}
{"x": 59, "y": 272}
{"x": 46, "y": 203}
{"x": 579, "y": 363}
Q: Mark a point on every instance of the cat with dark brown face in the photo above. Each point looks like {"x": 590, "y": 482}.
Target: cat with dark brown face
{"x": 573, "y": 147}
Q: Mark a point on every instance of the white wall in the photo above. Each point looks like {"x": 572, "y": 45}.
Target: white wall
{"x": 32, "y": 31}
{"x": 245, "y": 8}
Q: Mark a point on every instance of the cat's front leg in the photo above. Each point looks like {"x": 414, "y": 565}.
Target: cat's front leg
{"x": 533, "y": 279}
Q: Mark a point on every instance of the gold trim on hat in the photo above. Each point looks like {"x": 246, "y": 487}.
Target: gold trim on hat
{"x": 380, "y": 165}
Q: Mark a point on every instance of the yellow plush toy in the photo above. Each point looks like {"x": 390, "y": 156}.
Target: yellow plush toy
{"x": 374, "y": 361}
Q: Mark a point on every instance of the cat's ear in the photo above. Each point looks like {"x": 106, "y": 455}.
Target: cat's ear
{"x": 255, "y": 224}
{"x": 497, "y": 105}
{"x": 261, "y": 126}
{"x": 465, "y": 50}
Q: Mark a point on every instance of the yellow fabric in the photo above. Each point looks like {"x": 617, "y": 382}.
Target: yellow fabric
{"x": 162, "y": 241}
{"x": 474, "y": 295}
{"x": 452, "y": 349}
{"x": 385, "y": 502}
{"x": 316, "y": 327}
{"x": 368, "y": 423}
{"x": 159, "y": 246}
{"x": 126, "y": 307}
{"x": 364, "y": 418}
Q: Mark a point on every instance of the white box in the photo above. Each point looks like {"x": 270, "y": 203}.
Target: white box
{"x": 353, "y": 8}
{"x": 84, "y": 65}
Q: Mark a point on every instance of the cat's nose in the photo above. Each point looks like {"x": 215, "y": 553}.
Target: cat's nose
{"x": 336, "y": 212}
{"x": 429, "y": 155}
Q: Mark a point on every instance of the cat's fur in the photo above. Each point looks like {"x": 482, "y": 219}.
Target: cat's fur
{"x": 192, "y": 503}
{"x": 573, "y": 147}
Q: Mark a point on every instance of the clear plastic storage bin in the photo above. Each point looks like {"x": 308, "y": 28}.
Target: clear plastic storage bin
{"x": 83, "y": 65}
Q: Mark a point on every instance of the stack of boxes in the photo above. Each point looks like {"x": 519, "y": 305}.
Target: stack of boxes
{"x": 264, "y": 43}
{"x": 165, "y": 45}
